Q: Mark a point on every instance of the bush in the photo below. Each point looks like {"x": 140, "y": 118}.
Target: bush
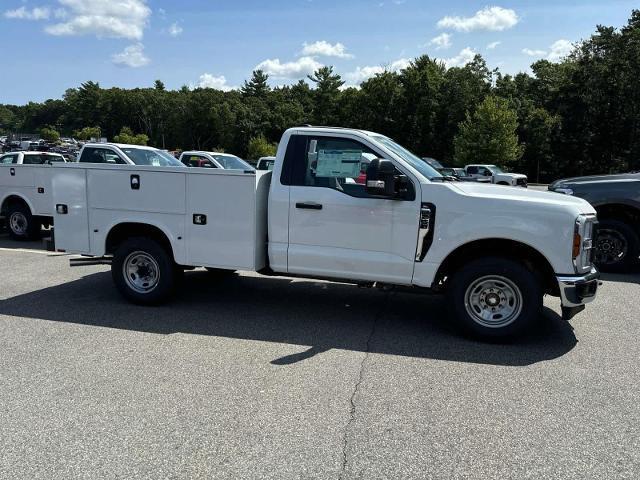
{"x": 260, "y": 147}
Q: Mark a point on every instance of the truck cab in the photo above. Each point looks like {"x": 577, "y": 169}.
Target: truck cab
{"x": 493, "y": 252}
{"x": 123, "y": 154}
{"x": 202, "y": 159}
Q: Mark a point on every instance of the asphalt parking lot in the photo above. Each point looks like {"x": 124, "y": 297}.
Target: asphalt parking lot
{"x": 282, "y": 378}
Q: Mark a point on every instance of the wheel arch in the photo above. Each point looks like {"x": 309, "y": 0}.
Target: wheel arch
{"x": 122, "y": 231}
{"x": 532, "y": 258}
{"x": 624, "y": 212}
{"x": 13, "y": 198}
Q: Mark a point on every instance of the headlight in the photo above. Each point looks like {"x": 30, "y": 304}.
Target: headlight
{"x": 566, "y": 191}
{"x": 583, "y": 243}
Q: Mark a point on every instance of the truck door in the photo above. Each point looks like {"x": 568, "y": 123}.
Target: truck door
{"x": 335, "y": 228}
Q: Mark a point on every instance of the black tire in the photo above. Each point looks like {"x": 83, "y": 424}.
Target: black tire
{"x": 21, "y": 224}
{"x": 611, "y": 235}
{"x": 516, "y": 277}
{"x": 166, "y": 279}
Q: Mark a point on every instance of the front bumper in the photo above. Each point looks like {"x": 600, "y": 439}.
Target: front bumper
{"x": 577, "y": 291}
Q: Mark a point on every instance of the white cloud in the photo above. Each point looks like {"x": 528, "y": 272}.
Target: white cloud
{"x": 489, "y": 18}
{"x": 441, "y": 41}
{"x": 559, "y": 50}
{"x": 23, "y": 13}
{"x": 132, "y": 56}
{"x": 103, "y": 18}
{"x": 207, "y": 80}
{"x": 297, "y": 69}
{"x": 460, "y": 60}
{"x": 534, "y": 53}
{"x": 493, "y": 45}
{"x": 325, "y": 49}
{"x": 361, "y": 74}
{"x": 175, "y": 30}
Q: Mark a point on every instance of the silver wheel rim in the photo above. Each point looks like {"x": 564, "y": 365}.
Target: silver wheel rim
{"x": 493, "y": 301}
{"x": 611, "y": 247}
{"x": 141, "y": 272}
{"x": 18, "y": 223}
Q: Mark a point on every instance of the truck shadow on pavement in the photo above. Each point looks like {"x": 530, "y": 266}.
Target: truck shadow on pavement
{"x": 316, "y": 315}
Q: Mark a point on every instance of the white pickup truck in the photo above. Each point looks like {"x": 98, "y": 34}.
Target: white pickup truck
{"x": 494, "y": 252}
{"x": 25, "y": 192}
{"x": 494, "y": 174}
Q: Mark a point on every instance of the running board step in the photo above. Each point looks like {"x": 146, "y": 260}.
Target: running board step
{"x": 88, "y": 261}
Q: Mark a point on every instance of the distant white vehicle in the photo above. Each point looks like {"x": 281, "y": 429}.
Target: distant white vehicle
{"x": 25, "y": 191}
{"x": 265, "y": 163}
{"x": 496, "y": 175}
{"x": 123, "y": 154}
{"x": 226, "y": 161}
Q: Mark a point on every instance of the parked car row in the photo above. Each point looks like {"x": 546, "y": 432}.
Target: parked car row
{"x": 480, "y": 173}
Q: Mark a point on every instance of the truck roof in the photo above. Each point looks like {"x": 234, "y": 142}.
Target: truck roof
{"x": 191, "y": 152}
{"x": 310, "y": 128}
{"x": 120, "y": 145}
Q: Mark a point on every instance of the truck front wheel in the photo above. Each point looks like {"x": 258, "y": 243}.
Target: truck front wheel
{"x": 143, "y": 271}
{"x": 495, "y": 297}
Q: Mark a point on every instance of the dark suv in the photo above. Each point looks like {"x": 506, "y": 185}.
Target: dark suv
{"x": 616, "y": 198}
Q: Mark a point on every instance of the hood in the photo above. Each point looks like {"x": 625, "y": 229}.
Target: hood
{"x": 499, "y": 192}
{"x": 512, "y": 175}
{"x": 595, "y": 179}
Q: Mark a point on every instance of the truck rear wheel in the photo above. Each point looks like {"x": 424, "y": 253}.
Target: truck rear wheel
{"x": 617, "y": 247}
{"x": 143, "y": 271}
{"x": 22, "y": 225}
{"x": 495, "y": 297}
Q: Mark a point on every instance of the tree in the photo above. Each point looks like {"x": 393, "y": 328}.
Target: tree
{"x": 260, "y": 147}
{"x": 257, "y": 86}
{"x": 159, "y": 85}
{"x": 127, "y": 136}
{"x": 326, "y": 95}
{"x": 489, "y": 135}
{"x": 87, "y": 133}
{"x": 49, "y": 134}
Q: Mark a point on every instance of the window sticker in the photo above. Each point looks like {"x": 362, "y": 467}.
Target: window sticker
{"x": 338, "y": 163}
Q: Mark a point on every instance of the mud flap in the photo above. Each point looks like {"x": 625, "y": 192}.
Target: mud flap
{"x": 569, "y": 312}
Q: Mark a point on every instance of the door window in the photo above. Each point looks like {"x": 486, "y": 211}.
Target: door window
{"x": 328, "y": 162}
{"x": 198, "y": 161}
{"x": 100, "y": 155}
{"x": 9, "y": 159}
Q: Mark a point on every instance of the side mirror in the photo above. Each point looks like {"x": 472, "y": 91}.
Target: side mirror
{"x": 381, "y": 178}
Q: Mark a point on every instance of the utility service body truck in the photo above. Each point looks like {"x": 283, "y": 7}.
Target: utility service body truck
{"x": 494, "y": 251}
{"x": 25, "y": 192}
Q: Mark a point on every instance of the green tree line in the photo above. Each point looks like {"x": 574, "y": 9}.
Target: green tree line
{"x": 578, "y": 116}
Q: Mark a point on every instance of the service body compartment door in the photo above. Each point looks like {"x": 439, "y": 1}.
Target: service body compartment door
{"x": 150, "y": 189}
{"x": 221, "y": 220}
{"x": 69, "y": 191}
{"x": 17, "y": 176}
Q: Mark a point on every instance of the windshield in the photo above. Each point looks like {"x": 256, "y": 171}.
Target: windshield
{"x": 154, "y": 158}
{"x": 495, "y": 169}
{"x": 413, "y": 160}
{"x": 229, "y": 162}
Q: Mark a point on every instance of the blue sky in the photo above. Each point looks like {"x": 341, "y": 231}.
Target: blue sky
{"x": 52, "y": 45}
